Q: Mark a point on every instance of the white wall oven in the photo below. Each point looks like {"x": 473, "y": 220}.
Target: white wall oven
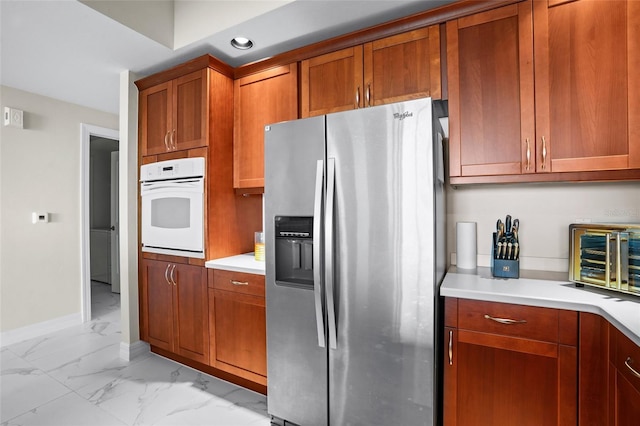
{"x": 172, "y": 217}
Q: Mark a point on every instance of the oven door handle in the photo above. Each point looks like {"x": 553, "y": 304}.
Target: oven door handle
{"x": 195, "y": 179}
{"x": 195, "y": 185}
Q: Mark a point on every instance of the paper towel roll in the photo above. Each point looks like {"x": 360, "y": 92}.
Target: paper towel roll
{"x": 466, "y": 245}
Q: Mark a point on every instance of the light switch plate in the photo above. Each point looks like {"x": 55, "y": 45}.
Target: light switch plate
{"x": 13, "y": 117}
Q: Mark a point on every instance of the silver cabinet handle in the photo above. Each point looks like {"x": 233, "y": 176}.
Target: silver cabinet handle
{"x": 328, "y": 259}
{"x": 166, "y": 141}
{"x": 234, "y": 282}
{"x": 368, "y": 94}
{"x": 628, "y": 363}
{"x": 166, "y": 274}
{"x": 544, "y": 153}
{"x": 317, "y": 250}
{"x": 450, "y": 347}
{"x": 173, "y": 140}
{"x": 618, "y": 264}
{"x": 358, "y": 97}
{"x": 507, "y": 321}
{"x": 173, "y": 281}
{"x": 528, "y": 154}
{"x": 607, "y": 258}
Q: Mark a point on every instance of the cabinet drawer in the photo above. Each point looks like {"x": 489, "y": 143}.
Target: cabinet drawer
{"x": 237, "y": 282}
{"x": 511, "y": 320}
{"x": 625, "y": 355}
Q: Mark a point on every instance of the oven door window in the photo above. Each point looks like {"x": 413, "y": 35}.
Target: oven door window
{"x": 171, "y": 213}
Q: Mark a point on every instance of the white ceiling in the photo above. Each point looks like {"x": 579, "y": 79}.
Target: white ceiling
{"x": 69, "y": 51}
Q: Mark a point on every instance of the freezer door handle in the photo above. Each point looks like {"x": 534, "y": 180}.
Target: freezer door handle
{"x": 329, "y": 247}
{"x": 317, "y": 250}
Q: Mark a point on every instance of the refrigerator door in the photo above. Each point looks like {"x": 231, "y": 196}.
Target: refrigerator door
{"x": 383, "y": 234}
{"x": 296, "y": 361}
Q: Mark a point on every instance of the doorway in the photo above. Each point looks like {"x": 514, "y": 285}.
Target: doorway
{"x": 100, "y": 223}
{"x": 103, "y": 226}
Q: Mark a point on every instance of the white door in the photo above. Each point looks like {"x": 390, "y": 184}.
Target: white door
{"x": 115, "y": 223}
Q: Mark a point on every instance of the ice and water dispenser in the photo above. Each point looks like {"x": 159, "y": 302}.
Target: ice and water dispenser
{"x": 294, "y": 251}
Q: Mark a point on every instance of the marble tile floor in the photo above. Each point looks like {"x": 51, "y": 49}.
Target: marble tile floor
{"x": 75, "y": 377}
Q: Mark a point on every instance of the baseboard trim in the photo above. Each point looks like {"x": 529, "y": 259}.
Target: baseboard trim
{"x": 133, "y": 350}
{"x": 39, "y": 329}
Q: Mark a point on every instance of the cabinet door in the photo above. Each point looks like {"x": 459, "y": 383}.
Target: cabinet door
{"x": 624, "y": 380}
{"x": 190, "y": 111}
{"x": 156, "y": 118}
{"x": 240, "y": 334}
{"x": 192, "y": 325}
{"x": 332, "y": 82}
{"x": 503, "y": 380}
{"x": 491, "y": 99}
{"x": 593, "y": 370}
{"x": 587, "y": 85}
{"x": 264, "y": 98}
{"x": 402, "y": 67}
{"x": 624, "y": 401}
{"x": 159, "y": 300}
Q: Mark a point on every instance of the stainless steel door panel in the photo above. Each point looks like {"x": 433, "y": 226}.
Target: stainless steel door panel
{"x": 296, "y": 364}
{"x": 382, "y": 371}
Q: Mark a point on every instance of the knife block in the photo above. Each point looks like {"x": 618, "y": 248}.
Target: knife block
{"x": 503, "y": 268}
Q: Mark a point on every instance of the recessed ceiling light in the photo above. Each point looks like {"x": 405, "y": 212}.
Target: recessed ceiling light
{"x": 242, "y": 43}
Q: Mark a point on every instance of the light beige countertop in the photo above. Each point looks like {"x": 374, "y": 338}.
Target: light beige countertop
{"x": 549, "y": 290}
{"x": 240, "y": 263}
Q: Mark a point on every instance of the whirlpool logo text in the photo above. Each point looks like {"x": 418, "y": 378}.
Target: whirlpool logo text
{"x": 403, "y": 115}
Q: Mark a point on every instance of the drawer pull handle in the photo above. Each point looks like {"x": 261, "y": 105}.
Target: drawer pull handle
{"x": 628, "y": 363}
{"x": 505, "y": 320}
{"x": 234, "y": 282}
{"x": 450, "y": 347}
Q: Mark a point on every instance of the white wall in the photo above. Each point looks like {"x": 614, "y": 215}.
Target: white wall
{"x": 545, "y": 212}
{"x": 40, "y": 271}
{"x": 195, "y": 20}
{"x": 129, "y": 213}
{"x": 152, "y": 18}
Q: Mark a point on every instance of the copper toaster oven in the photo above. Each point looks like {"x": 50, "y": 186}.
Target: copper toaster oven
{"x": 605, "y": 255}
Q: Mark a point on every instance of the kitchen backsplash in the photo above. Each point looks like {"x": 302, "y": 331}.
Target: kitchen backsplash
{"x": 545, "y": 212}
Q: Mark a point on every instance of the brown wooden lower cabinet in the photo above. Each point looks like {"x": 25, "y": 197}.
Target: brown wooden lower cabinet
{"x": 237, "y": 318}
{"x": 509, "y": 364}
{"x": 593, "y": 370}
{"x": 176, "y": 308}
{"x": 609, "y": 375}
{"x": 218, "y": 321}
{"x": 624, "y": 380}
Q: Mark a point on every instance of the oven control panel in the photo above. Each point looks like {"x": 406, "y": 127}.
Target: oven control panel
{"x": 172, "y": 169}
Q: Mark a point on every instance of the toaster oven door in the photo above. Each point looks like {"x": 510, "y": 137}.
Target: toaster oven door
{"x": 606, "y": 258}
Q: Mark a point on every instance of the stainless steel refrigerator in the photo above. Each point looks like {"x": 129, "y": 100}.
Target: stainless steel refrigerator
{"x": 355, "y": 252}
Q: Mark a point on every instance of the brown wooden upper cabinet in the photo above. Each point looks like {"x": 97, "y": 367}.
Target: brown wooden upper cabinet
{"x": 401, "y": 67}
{"x": 173, "y": 115}
{"x": 267, "y": 97}
{"x": 587, "y": 87}
{"x": 544, "y": 87}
